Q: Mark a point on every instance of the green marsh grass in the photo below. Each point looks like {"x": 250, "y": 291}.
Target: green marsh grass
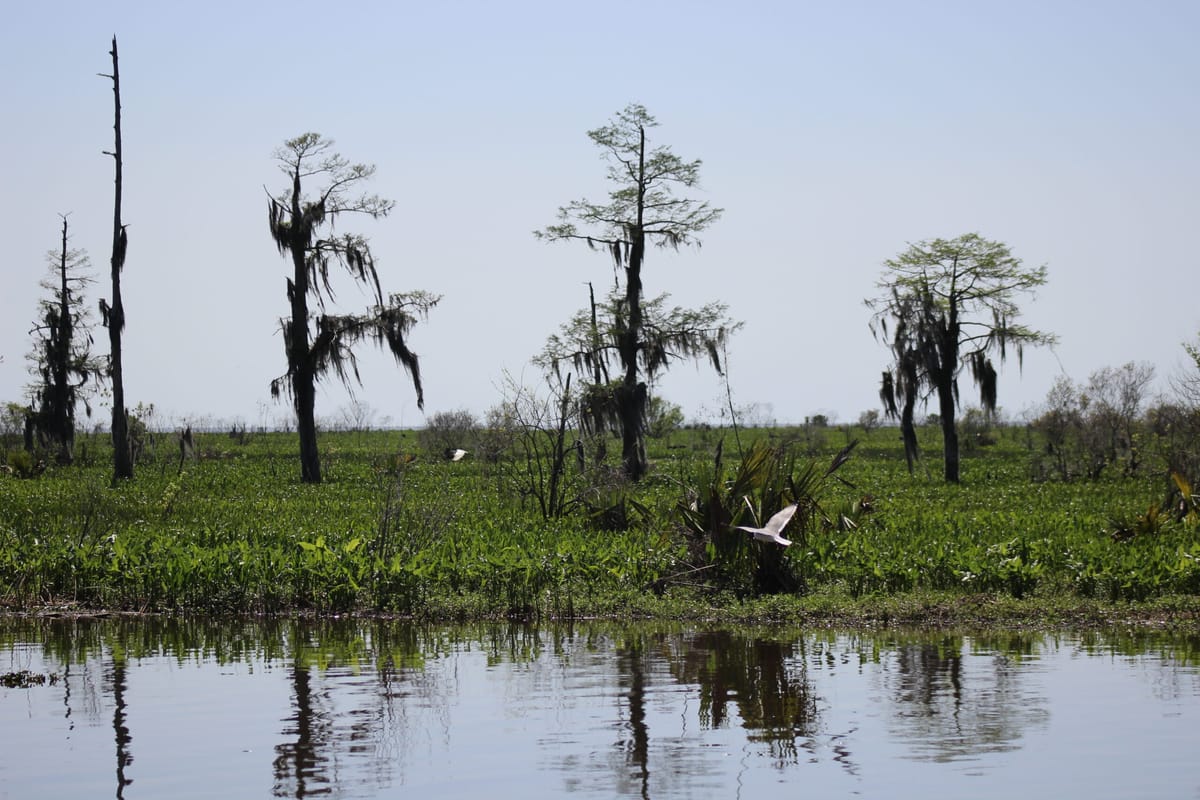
{"x": 235, "y": 531}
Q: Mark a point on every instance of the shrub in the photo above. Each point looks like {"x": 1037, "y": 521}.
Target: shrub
{"x": 449, "y": 430}
{"x": 20, "y": 463}
{"x": 662, "y": 418}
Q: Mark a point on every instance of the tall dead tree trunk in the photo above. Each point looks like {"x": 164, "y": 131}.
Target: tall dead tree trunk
{"x": 114, "y": 314}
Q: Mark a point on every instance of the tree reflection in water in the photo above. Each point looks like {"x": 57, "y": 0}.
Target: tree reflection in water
{"x": 117, "y": 681}
{"x": 301, "y": 763}
{"x": 948, "y": 711}
{"x": 764, "y": 679}
{"x": 757, "y": 682}
{"x": 350, "y": 681}
{"x": 633, "y": 682}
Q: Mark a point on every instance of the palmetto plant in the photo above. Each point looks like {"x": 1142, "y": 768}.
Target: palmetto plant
{"x": 766, "y": 480}
{"x": 1187, "y": 507}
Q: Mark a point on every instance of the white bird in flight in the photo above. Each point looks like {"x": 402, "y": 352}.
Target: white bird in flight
{"x": 776, "y": 524}
{"x": 455, "y": 454}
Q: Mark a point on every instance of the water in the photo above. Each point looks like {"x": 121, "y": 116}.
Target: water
{"x": 349, "y": 709}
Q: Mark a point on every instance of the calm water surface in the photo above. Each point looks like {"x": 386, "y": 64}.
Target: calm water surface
{"x": 197, "y": 708}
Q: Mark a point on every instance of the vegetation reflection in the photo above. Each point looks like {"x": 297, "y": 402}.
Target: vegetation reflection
{"x": 364, "y": 696}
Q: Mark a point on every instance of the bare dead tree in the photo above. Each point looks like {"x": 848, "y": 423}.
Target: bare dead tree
{"x": 113, "y": 314}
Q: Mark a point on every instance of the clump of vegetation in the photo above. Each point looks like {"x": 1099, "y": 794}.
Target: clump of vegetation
{"x": 766, "y": 480}
{"x": 1097, "y": 427}
{"x": 23, "y": 679}
{"x": 22, "y": 464}
{"x": 446, "y": 431}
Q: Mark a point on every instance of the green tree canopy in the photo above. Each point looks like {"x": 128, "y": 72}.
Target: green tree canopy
{"x": 947, "y": 304}
{"x": 302, "y": 227}
{"x": 643, "y": 208}
{"x": 62, "y": 360}
{"x": 591, "y": 340}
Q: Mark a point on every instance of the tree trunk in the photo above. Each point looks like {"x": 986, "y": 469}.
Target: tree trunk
{"x": 631, "y": 409}
{"x": 631, "y": 395}
{"x": 943, "y": 377}
{"x": 558, "y": 463}
{"x": 306, "y": 426}
{"x": 304, "y": 379}
{"x": 599, "y": 422}
{"x": 62, "y": 421}
{"x": 122, "y": 455}
{"x": 946, "y": 409}
{"x": 908, "y": 433}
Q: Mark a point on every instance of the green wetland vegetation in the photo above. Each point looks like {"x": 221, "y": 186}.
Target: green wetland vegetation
{"x": 585, "y": 502}
{"x": 398, "y": 530}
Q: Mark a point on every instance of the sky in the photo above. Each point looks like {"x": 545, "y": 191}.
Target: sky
{"x": 833, "y": 135}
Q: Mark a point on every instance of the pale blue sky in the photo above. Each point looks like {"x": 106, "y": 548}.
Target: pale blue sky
{"x": 833, "y": 134}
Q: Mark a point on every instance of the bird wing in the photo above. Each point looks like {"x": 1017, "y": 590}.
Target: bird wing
{"x": 780, "y": 520}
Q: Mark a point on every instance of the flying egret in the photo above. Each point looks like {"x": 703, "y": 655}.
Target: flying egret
{"x": 770, "y": 533}
{"x": 455, "y": 454}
